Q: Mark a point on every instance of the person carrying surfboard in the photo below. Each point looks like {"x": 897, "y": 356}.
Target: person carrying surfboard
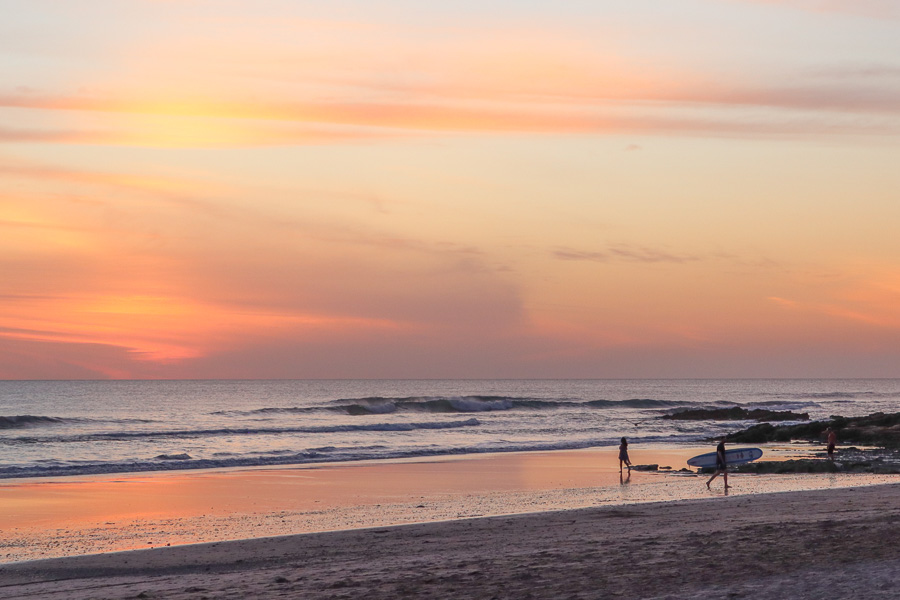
{"x": 721, "y": 465}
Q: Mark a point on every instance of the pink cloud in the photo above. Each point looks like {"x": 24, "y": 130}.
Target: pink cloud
{"x": 820, "y": 106}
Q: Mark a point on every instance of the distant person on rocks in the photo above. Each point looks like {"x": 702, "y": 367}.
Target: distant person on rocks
{"x": 623, "y": 455}
{"x": 721, "y": 465}
{"x": 832, "y": 441}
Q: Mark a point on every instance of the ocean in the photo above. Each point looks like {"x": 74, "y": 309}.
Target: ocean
{"x": 62, "y": 428}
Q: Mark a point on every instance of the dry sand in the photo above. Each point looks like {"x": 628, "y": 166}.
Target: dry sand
{"x": 841, "y": 543}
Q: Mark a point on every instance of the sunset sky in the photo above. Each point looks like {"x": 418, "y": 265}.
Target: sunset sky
{"x": 389, "y": 188}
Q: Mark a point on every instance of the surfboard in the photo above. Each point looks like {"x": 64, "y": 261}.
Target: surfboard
{"x": 733, "y": 456}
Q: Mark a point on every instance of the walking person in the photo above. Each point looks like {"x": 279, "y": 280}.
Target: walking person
{"x": 721, "y": 465}
{"x": 623, "y": 455}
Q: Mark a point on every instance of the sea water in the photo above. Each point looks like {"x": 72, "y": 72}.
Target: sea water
{"x": 56, "y": 428}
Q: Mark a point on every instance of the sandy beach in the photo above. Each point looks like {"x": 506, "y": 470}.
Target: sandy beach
{"x": 55, "y": 517}
{"x": 816, "y": 544}
{"x": 532, "y": 525}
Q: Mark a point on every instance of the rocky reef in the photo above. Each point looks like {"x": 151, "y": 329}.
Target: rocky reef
{"x": 878, "y": 429}
{"x": 850, "y": 460}
{"x": 736, "y": 413}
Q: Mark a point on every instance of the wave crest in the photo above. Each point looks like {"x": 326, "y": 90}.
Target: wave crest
{"x": 197, "y": 433}
{"x": 381, "y": 405}
{"x": 25, "y": 421}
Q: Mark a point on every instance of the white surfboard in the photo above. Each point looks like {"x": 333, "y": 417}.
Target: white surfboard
{"x": 733, "y": 456}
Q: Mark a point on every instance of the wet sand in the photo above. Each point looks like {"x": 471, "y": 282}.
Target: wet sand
{"x": 838, "y": 543}
{"x": 86, "y": 515}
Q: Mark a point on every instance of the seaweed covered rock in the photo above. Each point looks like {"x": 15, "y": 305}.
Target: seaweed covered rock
{"x": 878, "y": 429}
{"x": 736, "y": 413}
{"x": 654, "y": 467}
{"x": 869, "y": 464}
{"x": 789, "y": 466}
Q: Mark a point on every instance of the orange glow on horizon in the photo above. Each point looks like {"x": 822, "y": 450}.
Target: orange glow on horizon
{"x": 161, "y": 329}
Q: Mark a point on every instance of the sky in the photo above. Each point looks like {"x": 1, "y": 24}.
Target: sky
{"x": 495, "y": 189}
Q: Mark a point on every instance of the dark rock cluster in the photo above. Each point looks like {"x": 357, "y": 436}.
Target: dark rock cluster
{"x": 736, "y": 413}
{"x": 878, "y": 429}
{"x": 863, "y": 462}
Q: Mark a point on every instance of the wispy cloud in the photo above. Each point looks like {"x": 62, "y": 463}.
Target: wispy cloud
{"x": 272, "y": 92}
{"x": 626, "y": 253}
{"x": 62, "y": 136}
{"x": 725, "y": 114}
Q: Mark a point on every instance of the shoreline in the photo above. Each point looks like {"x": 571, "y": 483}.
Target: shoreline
{"x": 93, "y": 514}
{"x": 806, "y": 544}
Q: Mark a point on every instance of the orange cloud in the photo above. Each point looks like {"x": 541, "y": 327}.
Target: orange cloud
{"x": 157, "y": 185}
{"x": 238, "y": 124}
{"x": 146, "y": 269}
{"x": 158, "y": 329}
{"x": 867, "y": 298}
{"x": 236, "y": 80}
{"x": 279, "y": 86}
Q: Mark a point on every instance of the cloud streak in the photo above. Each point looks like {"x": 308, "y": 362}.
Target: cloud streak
{"x": 495, "y": 81}
{"x": 792, "y": 112}
{"x": 625, "y": 253}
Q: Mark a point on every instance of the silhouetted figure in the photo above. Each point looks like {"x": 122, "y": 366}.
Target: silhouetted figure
{"x": 832, "y": 442}
{"x": 721, "y": 465}
{"x": 623, "y": 455}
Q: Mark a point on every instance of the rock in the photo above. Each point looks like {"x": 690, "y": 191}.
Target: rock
{"x": 645, "y": 467}
{"x": 877, "y": 463}
{"x": 735, "y": 413}
{"x": 788, "y": 466}
{"x": 878, "y": 429}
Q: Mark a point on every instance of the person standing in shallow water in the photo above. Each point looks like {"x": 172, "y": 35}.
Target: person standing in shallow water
{"x": 623, "y": 455}
{"x": 721, "y": 465}
{"x": 832, "y": 442}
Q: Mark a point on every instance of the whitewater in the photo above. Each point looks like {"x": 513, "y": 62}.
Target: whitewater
{"x": 60, "y": 428}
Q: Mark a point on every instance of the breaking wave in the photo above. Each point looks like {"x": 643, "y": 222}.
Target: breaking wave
{"x": 379, "y": 405}
{"x": 25, "y": 421}
{"x": 32, "y": 421}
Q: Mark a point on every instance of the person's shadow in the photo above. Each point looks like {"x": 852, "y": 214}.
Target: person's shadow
{"x": 625, "y": 480}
